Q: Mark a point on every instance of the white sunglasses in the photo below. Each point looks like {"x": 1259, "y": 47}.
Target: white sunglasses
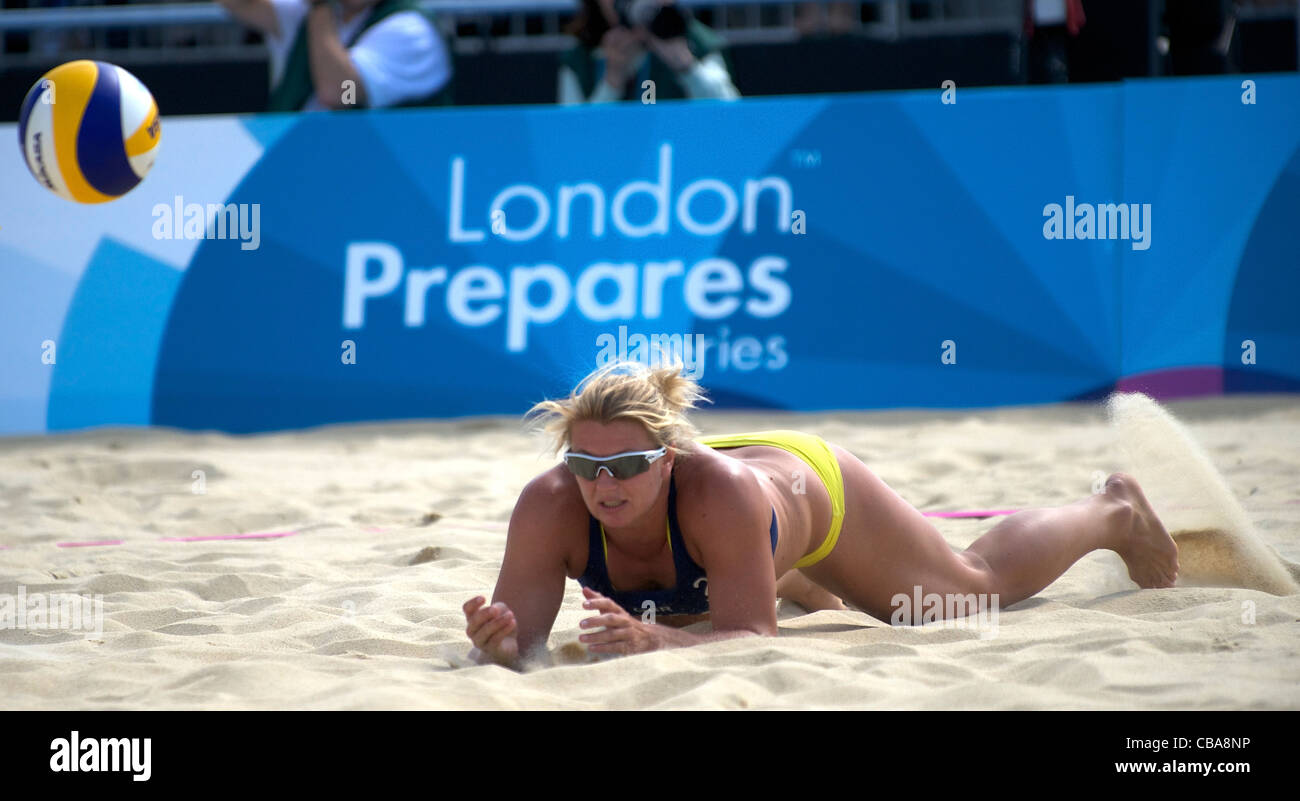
{"x": 620, "y": 466}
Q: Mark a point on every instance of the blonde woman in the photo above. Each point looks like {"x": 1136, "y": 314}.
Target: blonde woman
{"x": 650, "y": 518}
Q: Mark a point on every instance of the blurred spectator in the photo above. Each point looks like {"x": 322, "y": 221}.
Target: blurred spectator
{"x": 623, "y": 43}
{"x": 811, "y": 19}
{"x": 1047, "y": 24}
{"x": 389, "y": 50}
{"x": 43, "y": 41}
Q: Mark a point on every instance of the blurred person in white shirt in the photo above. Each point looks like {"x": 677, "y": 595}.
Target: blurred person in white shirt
{"x": 337, "y": 54}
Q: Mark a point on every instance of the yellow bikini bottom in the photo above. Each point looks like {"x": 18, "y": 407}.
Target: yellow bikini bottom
{"x": 814, "y": 451}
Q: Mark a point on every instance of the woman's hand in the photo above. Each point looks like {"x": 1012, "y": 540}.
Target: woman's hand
{"x": 624, "y": 634}
{"x": 492, "y": 629}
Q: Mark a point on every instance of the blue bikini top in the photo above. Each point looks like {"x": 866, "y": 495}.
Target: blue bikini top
{"x": 689, "y": 597}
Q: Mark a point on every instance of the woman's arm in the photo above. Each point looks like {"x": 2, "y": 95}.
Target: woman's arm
{"x": 733, "y": 518}
{"x": 531, "y": 582}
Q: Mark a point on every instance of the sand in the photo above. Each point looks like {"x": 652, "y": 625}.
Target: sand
{"x": 386, "y": 529}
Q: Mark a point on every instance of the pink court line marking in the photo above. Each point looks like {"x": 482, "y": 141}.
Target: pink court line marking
{"x": 973, "y": 513}
{"x": 91, "y": 544}
{"x": 1001, "y": 512}
{"x": 475, "y": 525}
{"x": 262, "y": 535}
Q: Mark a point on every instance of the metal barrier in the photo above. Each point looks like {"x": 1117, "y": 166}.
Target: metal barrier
{"x": 211, "y": 13}
{"x": 735, "y": 20}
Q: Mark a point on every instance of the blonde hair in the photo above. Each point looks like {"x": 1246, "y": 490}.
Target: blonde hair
{"x": 657, "y": 398}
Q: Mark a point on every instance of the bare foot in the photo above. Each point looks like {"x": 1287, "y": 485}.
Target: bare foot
{"x": 1148, "y": 550}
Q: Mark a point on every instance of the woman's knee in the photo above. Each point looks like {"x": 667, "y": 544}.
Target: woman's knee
{"x": 978, "y": 575}
{"x": 796, "y": 587}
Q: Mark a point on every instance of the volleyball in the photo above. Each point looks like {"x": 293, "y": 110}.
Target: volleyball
{"x": 89, "y": 131}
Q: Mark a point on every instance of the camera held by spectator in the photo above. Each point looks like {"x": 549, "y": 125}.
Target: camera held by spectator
{"x": 622, "y": 44}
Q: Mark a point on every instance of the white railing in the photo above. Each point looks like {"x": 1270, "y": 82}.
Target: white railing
{"x": 210, "y": 13}
{"x": 194, "y": 31}
{"x": 213, "y": 14}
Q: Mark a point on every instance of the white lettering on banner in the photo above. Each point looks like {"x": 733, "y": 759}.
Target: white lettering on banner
{"x": 478, "y": 295}
{"x": 530, "y": 214}
{"x": 525, "y": 294}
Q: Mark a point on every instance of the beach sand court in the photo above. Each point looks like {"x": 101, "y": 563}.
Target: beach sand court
{"x": 370, "y": 537}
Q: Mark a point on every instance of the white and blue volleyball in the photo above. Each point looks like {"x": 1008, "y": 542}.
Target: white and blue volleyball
{"x": 89, "y": 131}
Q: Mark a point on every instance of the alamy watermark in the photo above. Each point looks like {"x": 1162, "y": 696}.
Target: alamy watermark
{"x": 655, "y": 350}
{"x": 59, "y": 611}
{"x": 181, "y": 220}
{"x": 974, "y": 610}
{"x": 74, "y": 753}
{"x": 1131, "y": 221}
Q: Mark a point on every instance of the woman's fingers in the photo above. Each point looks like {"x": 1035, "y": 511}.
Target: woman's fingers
{"x": 497, "y": 624}
{"x": 493, "y": 629}
{"x": 612, "y": 641}
{"x": 482, "y": 632}
{"x": 475, "y": 613}
{"x": 479, "y": 617}
{"x": 504, "y": 632}
{"x": 603, "y": 605}
{"x": 488, "y": 620}
{"x": 613, "y": 616}
{"x": 605, "y": 637}
{"x": 597, "y": 601}
{"x": 609, "y": 621}
{"x": 617, "y": 630}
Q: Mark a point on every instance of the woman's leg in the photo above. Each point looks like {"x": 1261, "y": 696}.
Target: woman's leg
{"x": 887, "y": 547}
{"x": 795, "y": 586}
{"x": 1030, "y": 549}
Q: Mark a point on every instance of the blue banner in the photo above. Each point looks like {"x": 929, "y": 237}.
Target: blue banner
{"x": 1022, "y": 245}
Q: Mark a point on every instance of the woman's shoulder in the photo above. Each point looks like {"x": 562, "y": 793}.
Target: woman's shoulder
{"x": 555, "y": 491}
{"x": 550, "y": 515}
{"x": 716, "y": 496}
{"x": 707, "y": 474}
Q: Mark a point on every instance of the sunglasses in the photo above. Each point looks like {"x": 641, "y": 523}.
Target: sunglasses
{"x": 621, "y": 465}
